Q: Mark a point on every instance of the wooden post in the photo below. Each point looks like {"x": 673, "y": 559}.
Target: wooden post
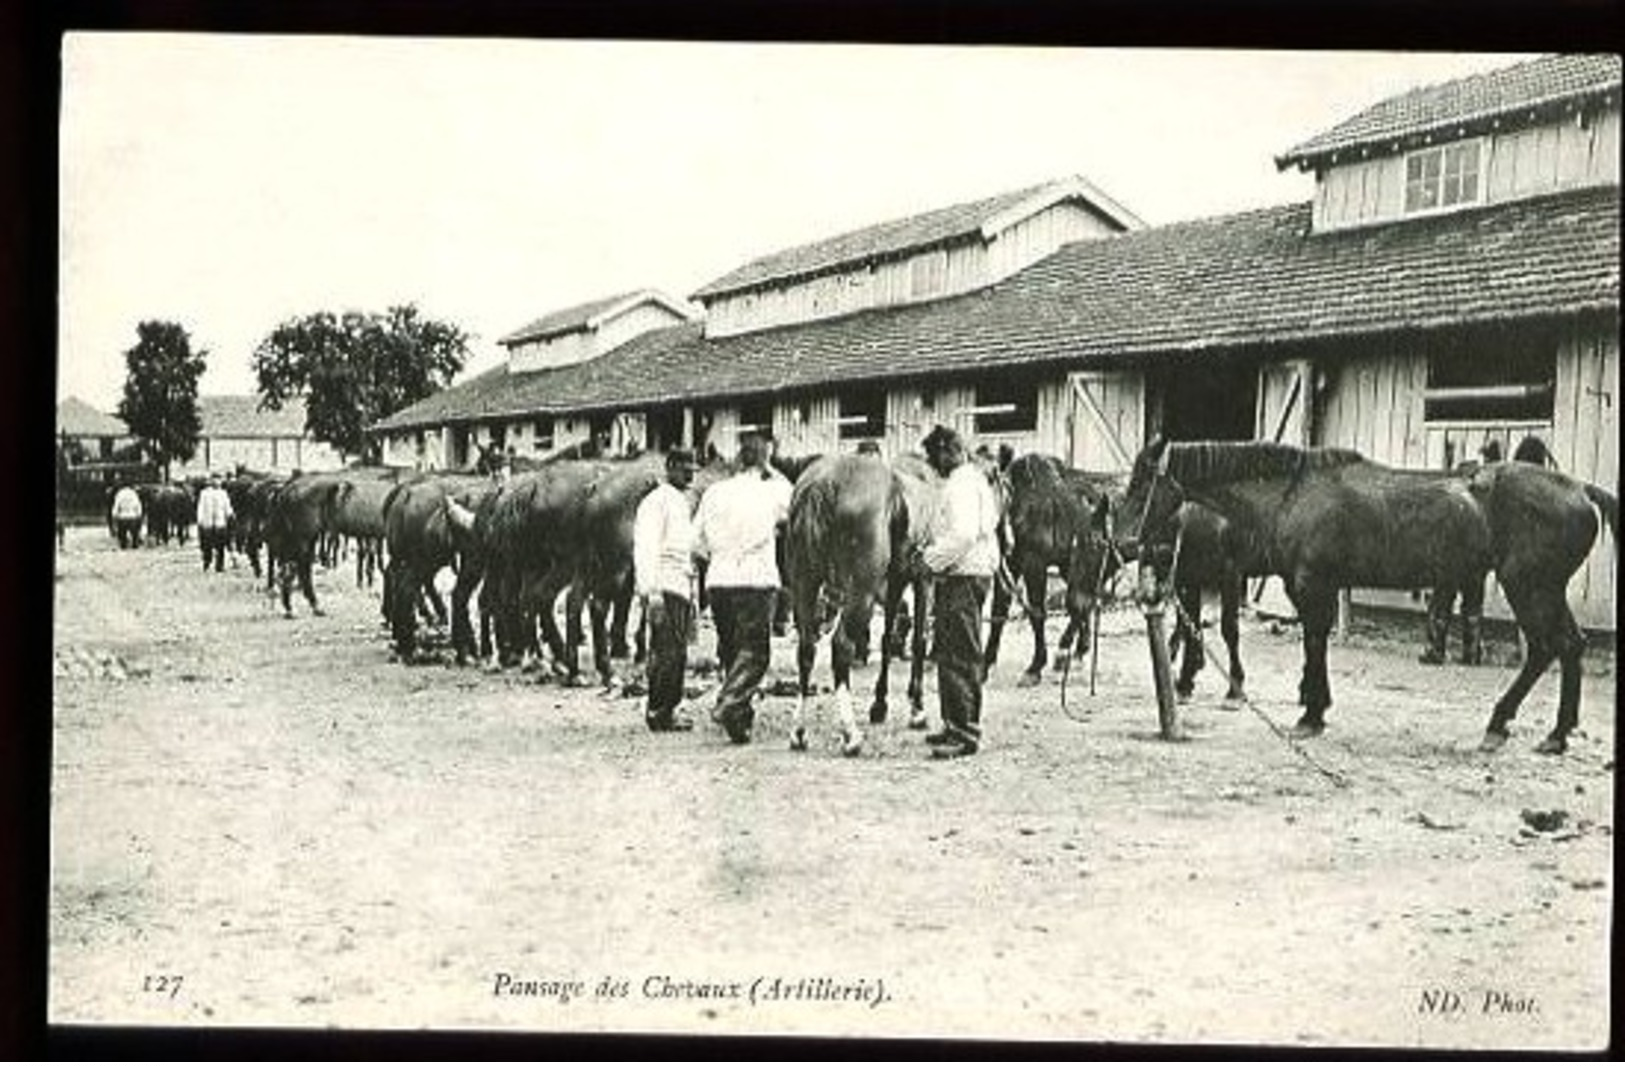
{"x": 1153, "y": 603}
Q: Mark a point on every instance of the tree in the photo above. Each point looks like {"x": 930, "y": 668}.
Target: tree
{"x": 160, "y": 391}
{"x": 356, "y": 368}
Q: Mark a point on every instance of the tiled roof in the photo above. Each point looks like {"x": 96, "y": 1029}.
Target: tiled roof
{"x": 76, "y": 418}
{"x": 941, "y": 226}
{"x": 571, "y": 318}
{"x": 1539, "y": 83}
{"x": 1256, "y": 278}
{"x": 239, "y": 416}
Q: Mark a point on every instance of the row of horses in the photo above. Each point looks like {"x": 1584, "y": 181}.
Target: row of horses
{"x": 1206, "y": 515}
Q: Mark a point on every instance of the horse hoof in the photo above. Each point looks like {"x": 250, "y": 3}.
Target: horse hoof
{"x": 918, "y": 720}
{"x": 1552, "y": 745}
{"x": 798, "y": 739}
{"x": 852, "y": 747}
{"x": 1492, "y": 741}
{"x": 1183, "y": 695}
{"x": 1305, "y": 730}
{"x": 877, "y": 712}
{"x": 318, "y": 612}
{"x": 1029, "y": 680}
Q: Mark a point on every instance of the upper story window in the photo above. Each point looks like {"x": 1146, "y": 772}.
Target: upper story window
{"x": 1437, "y": 178}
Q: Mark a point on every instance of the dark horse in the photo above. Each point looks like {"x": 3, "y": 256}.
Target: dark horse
{"x": 852, "y": 538}
{"x": 1050, "y": 506}
{"x": 1328, "y": 519}
{"x": 1201, "y": 553}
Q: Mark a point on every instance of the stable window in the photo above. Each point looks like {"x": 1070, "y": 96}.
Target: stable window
{"x": 1437, "y": 178}
{"x": 756, "y": 415}
{"x": 1006, "y": 406}
{"x": 541, "y": 432}
{"x": 1491, "y": 378}
{"x": 863, "y": 414}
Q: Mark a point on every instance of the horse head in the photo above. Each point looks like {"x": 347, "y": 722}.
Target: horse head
{"x": 1148, "y": 514}
{"x": 1092, "y": 560}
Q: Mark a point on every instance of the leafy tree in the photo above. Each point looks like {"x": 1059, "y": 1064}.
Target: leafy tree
{"x": 160, "y": 391}
{"x": 356, "y": 368}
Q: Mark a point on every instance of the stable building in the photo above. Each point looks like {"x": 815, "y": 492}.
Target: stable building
{"x": 236, "y": 432}
{"x": 1455, "y": 278}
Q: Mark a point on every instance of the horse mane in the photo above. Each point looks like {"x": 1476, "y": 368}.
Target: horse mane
{"x": 1207, "y": 462}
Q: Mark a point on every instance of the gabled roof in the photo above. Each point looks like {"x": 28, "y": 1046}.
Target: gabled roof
{"x": 982, "y": 219}
{"x": 1252, "y": 279}
{"x": 240, "y": 416}
{"x": 1466, "y": 105}
{"x": 591, "y": 315}
{"x": 76, "y": 418}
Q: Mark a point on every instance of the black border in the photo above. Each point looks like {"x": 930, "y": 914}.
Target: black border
{"x": 30, "y": 74}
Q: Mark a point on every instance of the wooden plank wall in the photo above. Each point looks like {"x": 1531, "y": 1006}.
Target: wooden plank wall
{"x": 1528, "y": 162}
{"x": 1374, "y": 404}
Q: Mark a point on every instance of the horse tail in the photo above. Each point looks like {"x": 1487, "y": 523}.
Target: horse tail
{"x": 1608, "y": 504}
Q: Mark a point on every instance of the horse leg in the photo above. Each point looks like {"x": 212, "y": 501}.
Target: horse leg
{"x": 1570, "y": 648}
{"x": 1542, "y": 625}
{"x": 1230, "y": 598}
{"x": 995, "y": 629}
{"x": 856, "y": 616}
{"x": 916, "y": 666}
{"x": 1036, "y": 579}
{"x": 1188, "y": 634}
{"x": 284, "y": 584}
{"x": 598, "y": 615}
{"x": 462, "y": 631}
{"x": 1472, "y": 619}
{"x": 805, "y": 607}
{"x": 1317, "y": 610}
{"x": 402, "y": 610}
{"x": 307, "y": 588}
{"x": 622, "y": 604}
{"x": 889, "y": 610}
{"x": 1440, "y": 607}
{"x": 575, "y": 600}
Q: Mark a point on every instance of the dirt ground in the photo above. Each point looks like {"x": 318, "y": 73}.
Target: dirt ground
{"x": 265, "y": 822}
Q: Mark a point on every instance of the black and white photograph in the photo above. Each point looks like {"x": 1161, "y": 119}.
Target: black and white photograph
{"x": 704, "y": 539}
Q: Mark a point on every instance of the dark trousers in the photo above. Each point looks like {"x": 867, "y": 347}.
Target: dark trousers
{"x": 213, "y": 544}
{"x": 957, "y": 634}
{"x": 129, "y": 532}
{"x": 670, "y": 617}
{"x": 744, "y": 620}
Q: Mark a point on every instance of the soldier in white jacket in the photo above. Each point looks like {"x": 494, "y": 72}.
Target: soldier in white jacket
{"x": 214, "y": 517}
{"x": 663, "y": 572}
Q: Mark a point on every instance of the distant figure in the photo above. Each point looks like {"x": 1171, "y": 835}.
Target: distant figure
{"x": 1007, "y": 455}
{"x": 1490, "y": 453}
{"x": 127, "y": 516}
{"x": 214, "y": 515}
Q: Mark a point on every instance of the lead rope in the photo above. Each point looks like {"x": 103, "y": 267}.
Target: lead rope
{"x": 1336, "y": 777}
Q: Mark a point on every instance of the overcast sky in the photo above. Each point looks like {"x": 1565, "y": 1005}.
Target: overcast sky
{"x": 229, "y": 183}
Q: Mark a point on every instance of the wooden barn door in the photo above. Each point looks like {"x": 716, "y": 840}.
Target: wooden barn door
{"x": 1107, "y": 420}
{"x": 1285, "y": 393}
